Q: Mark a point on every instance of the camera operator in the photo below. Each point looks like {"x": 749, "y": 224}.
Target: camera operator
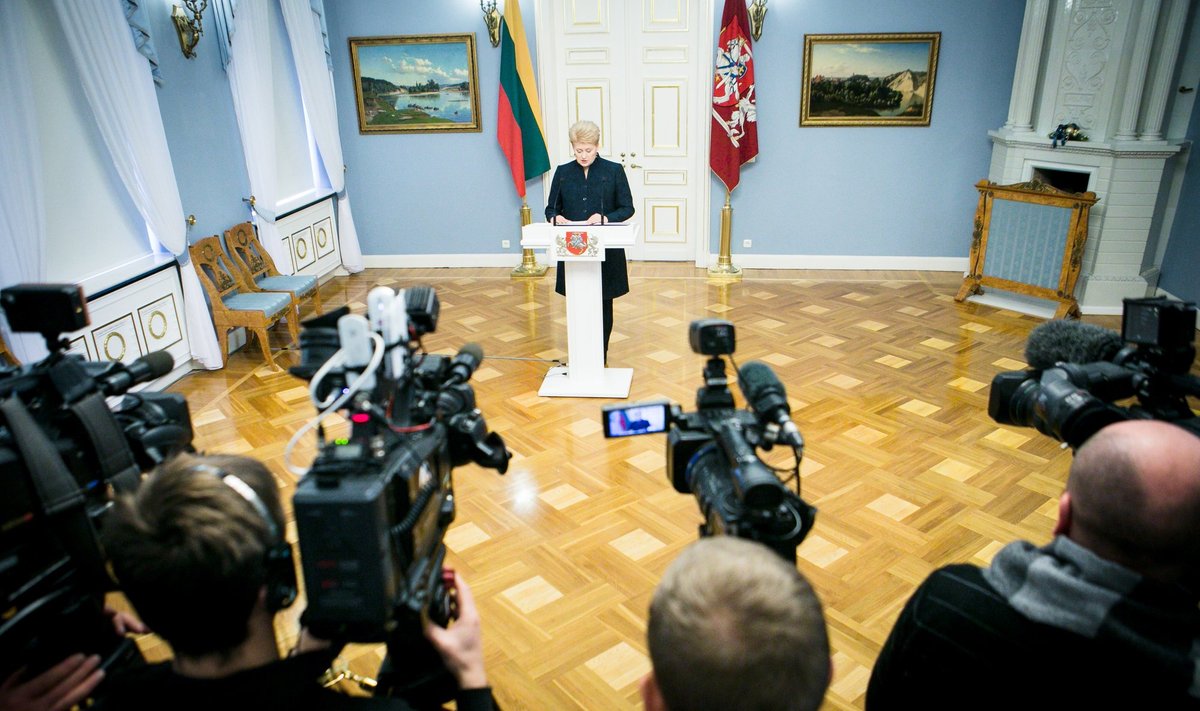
{"x": 196, "y": 550}
{"x": 733, "y": 626}
{"x": 67, "y": 683}
{"x": 1105, "y": 616}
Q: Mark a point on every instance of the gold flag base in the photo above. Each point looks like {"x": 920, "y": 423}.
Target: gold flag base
{"x": 724, "y": 269}
{"x": 529, "y": 268}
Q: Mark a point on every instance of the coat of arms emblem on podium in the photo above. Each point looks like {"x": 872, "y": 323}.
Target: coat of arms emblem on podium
{"x": 577, "y": 244}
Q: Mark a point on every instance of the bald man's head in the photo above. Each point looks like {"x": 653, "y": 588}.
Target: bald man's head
{"x": 1134, "y": 498}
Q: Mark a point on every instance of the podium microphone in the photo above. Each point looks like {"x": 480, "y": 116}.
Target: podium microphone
{"x": 603, "y": 189}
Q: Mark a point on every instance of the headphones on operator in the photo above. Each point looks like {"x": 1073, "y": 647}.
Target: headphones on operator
{"x": 280, "y": 569}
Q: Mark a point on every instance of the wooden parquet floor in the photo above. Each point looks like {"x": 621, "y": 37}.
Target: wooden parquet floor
{"x": 888, "y": 380}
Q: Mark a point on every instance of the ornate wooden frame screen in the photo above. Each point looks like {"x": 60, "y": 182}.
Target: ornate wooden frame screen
{"x": 1029, "y": 239}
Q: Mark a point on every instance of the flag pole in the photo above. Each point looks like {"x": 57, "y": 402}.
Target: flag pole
{"x": 724, "y": 268}
{"x": 529, "y": 268}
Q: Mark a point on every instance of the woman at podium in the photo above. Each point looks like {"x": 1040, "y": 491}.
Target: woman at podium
{"x": 594, "y": 191}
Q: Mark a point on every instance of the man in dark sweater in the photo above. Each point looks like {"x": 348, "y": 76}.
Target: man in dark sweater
{"x": 1105, "y": 616}
{"x": 199, "y": 551}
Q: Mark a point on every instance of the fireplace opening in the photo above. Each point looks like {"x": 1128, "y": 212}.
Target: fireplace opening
{"x": 1071, "y": 181}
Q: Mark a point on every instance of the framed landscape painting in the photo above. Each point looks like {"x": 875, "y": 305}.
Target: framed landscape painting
{"x": 416, "y": 83}
{"x": 869, "y": 79}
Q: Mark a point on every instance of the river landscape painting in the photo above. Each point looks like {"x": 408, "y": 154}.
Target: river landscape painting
{"x": 869, "y": 79}
{"x": 417, "y": 83}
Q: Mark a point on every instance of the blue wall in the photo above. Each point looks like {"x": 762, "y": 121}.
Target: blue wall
{"x": 904, "y": 191}
{"x": 201, "y": 128}
{"x": 1183, "y": 250}
{"x": 852, "y": 191}
{"x": 427, "y": 193}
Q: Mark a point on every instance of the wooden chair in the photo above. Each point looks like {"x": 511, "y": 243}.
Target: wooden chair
{"x": 6, "y": 355}
{"x": 258, "y": 268}
{"x": 235, "y": 304}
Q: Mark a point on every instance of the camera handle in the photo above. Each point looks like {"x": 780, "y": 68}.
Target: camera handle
{"x": 60, "y": 497}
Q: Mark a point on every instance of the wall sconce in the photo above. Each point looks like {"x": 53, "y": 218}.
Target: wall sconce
{"x": 189, "y": 31}
{"x": 758, "y": 13}
{"x": 491, "y": 18}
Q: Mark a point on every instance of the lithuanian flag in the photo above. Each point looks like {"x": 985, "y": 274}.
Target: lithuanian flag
{"x": 519, "y": 124}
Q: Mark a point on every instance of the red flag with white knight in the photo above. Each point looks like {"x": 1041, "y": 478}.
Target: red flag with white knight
{"x": 734, "y": 138}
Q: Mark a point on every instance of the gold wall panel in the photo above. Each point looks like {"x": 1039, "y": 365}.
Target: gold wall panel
{"x": 582, "y": 16}
{"x": 80, "y": 346}
{"x": 666, "y": 129}
{"x": 665, "y": 15}
{"x": 159, "y": 320}
{"x": 589, "y": 100}
{"x": 304, "y": 249}
{"x": 323, "y": 237}
{"x": 665, "y": 54}
{"x": 664, "y": 177}
{"x": 665, "y": 220}
{"x": 117, "y": 340}
{"x": 587, "y": 55}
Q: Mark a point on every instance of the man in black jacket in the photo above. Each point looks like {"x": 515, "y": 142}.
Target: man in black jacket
{"x": 1105, "y": 616}
{"x": 197, "y": 552}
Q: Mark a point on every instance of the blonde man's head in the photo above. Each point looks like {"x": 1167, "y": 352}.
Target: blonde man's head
{"x": 734, "y": 626}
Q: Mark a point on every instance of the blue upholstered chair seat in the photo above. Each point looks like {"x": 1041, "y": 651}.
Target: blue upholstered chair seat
{"x": 269, "y": 302}
{"x": 300, "y": 284}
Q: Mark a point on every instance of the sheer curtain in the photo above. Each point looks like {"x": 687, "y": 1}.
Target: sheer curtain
{"x": 120, "y": 91}
{"x": 251, "y": 81}
{"x": 316, "y": 86}
{"x": 22, "y": 227}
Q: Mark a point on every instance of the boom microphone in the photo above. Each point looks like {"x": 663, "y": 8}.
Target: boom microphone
{"x": 768, "y": 398}
{"x": 148, "y": 367}
{"x": 464, "y": 364}
{"x": 1065, "y": 341}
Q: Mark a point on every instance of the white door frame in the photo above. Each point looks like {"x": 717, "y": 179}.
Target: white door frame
{"x": 703, "y": 72}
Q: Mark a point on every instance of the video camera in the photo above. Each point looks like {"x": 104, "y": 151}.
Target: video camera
{"x": 373, "y": 510}
{"x": 711, "y": 452}
{"x": 63, "y": 451}
{"x": 1078, "y": 370}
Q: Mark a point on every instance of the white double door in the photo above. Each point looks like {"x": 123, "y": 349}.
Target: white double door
{"x": 641, "y": 69}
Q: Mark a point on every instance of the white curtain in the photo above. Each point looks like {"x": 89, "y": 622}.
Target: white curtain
{"x": 316, "y": 86}
{"x": 120, "y": 91}
{"x": 251, "y": 81}
{"x": 22, "y": 227}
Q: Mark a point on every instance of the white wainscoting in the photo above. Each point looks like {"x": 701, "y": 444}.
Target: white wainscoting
{"x": 136, "y": 316}
{"x": 311, "y": 237}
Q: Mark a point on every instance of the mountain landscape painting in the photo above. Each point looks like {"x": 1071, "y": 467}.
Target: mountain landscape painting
{"x": 869, "y": 80}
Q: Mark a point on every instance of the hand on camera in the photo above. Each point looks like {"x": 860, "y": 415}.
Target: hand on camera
{"x": 461, "y": 644}
{"x": 56, "y": 689}
{"x": 125, "y": 623}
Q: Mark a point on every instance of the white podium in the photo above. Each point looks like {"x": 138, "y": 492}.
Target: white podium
{"x": 581, "y": 249}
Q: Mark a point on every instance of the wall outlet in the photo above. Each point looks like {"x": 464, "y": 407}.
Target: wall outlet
{"x": 746, "y": 243}
{"x": 505, "y": 244}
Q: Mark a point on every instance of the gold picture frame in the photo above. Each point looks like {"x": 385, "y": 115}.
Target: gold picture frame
{"x": 869, "y": 79}
{"x": 416, "y": 83}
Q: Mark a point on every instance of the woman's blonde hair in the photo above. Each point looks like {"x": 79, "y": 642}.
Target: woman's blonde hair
{"x": 584, "y": 132}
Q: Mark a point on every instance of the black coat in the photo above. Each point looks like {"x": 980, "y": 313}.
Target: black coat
{"x": 286, "y": 684}
{"x": 604, "y": 190}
